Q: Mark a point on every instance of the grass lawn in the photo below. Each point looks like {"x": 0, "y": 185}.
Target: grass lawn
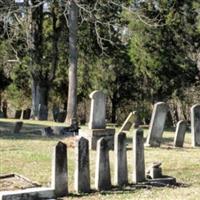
{"x": 29, "y": 154}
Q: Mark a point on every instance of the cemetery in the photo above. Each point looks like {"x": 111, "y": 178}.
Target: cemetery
{"x": 99, "y": 100}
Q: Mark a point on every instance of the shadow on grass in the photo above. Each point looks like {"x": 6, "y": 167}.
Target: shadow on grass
{"x": 130, "y": 188}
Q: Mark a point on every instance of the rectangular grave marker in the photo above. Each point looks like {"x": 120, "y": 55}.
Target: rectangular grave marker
{"x": 121, "y": 170}
{"x": 82, "y": 172}
{"x": 195, "y": 125}
{"x": 180, "y": 133}
{"x": 138, "y": 157}
{"x": 157, "y": 124}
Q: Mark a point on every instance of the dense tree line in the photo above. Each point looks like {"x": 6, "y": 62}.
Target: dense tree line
{"x": 137, "y": 52}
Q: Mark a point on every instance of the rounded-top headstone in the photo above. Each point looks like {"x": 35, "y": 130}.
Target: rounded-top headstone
{"x": 98, "y": 110}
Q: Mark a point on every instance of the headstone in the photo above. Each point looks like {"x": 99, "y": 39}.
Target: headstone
{"x": 195, "y": 125}
{"x": 157, "y": 124}
{"x": 48, "y": 131}
{"x": 62, "y": 116}
{"x": 27, "y": 113}
{"x": 17, "y": 127}
{"x": 180, "y": 133}
{"x": 128, "y": 122}
{"x": 18, "y": 114}
{"x": 55, "y": 112}
{"x": 82, "y": 172}
{"x": 1, "y": 114}
{"x": 59, "y": 170}
{"x": 98, "y": 110}
{"x": 102, "y": 173}
{"x": 121, "y": 171}
{"x": 138, "y": 157}
{"x": 42, "y": 112}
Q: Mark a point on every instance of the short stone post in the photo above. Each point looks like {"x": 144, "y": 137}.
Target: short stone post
{"x": 17, "y": 127}
{"x": 82, "y": 172}
{"x": 180, "y": 133}
{"x": 138, "y": 157}
{"x": 121, "y": 171}
{"x": 157, "y": 124}
{"x": 102, "y": 173}
{"x": 195, "y": 125}
{"x": 59, "y": 170}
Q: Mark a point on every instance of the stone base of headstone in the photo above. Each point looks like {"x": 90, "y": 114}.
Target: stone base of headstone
{"x": 162, "y": 181}
{"x": 93, "y": 135}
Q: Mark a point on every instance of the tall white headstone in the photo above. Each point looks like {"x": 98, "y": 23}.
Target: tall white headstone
{"x": 98, "y": 110}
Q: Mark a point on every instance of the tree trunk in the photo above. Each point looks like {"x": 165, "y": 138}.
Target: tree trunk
{"x": 71, "y": 118}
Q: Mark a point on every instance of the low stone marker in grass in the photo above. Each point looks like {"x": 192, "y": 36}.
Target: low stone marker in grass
{"x": 121, "y": 170}
{"x": 195, "y": 125}
{"x": 59, "y": 170}
{"x": 138, "y": 157}
{"x": 82, "y": 171}
{"x": 157, "y": 124}
{"x": 180, "y": 133}
{"x": 102, "y": 173}
{"x": 17, "y": 127}
{"x": 26, "y": 113}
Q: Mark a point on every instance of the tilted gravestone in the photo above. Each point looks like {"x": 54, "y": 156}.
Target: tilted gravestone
{"x": 18, "y": 114}
{"x": 102, "y": 173}
{"x": 97, "y": 126}
{"x": 138, "y": 157}
{"x": 82, "y": 171}
{"x": 180, "y": 133}
{"x": 59, "y": 170}
{"x": 121, "y": 170}
{"x": 128, "y": 123}
{"x": 42, "y": 112}
{"x": 195, "y": 125}
{"x": 98, "y": 110}
{"x": 17, "y": 127}
{"x": 157, "y": 124}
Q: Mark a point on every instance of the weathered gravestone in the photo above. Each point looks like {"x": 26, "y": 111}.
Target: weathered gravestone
{"x": 27, "y": 113}
{"x": 82, "y": 171}
{"x": 1, "y": 114}
{"x": 121, "y": 170}
{"x": 157, "y": 124}
{"x": 59, "y": 170}
{"x": 17, "y": 127}
{"x": 180, "y": 133}
{"x": 128, "y": 123}
{"x": 102, "y": 173}
{"x": 97, "y": 126}
{"x": 98, "y": 110}
{"x": 195, "y": 125}
{"x": 47, "y": 131}
{"x": 138, "y": 157}
{"x": 61, "y": 116}
{"x": 42, "y": 112}
{"x": 55, "y": 112}
{"x": 18, "y": 114}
